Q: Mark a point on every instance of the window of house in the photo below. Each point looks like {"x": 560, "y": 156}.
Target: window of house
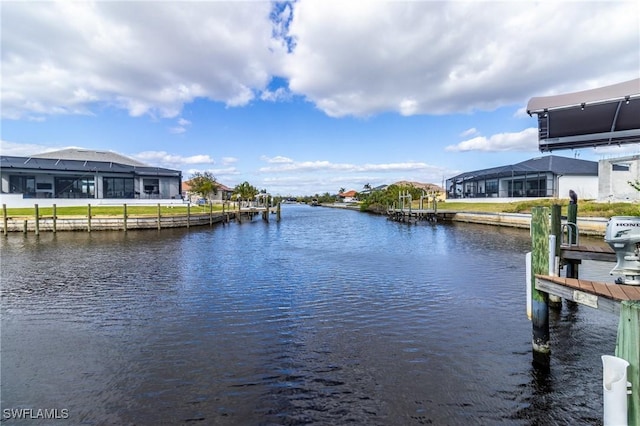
{"x": 74, "y": 187}
{"x": 118, "y": 187}
{"x": 151, "y": 187}
{"x": 22, "y": 185}
{"x": 491, "y": 187}
{"x": 620, "y": 167}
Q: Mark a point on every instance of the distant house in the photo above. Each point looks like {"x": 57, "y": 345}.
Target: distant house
{"x": 349, "y": 196}
{"x": 547, "y": 176}
{"x": 65, "y": 177}
{"x": 223, "y": 194}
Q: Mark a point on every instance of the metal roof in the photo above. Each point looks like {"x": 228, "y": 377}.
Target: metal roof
{"x": 80, "y": 166}
{"x": 549, "y": 163}
{"x": 590, "y": 118}
{"x": 90, "y": 155}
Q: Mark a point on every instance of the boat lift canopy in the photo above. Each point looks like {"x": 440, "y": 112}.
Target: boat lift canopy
{"x": 598, "y": 117}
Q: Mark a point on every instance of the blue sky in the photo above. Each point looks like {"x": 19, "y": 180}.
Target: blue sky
{"x": 305, "y": 97}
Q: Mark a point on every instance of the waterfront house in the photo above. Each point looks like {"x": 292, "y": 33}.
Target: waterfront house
{"x": 223, "y": 194}
{"x": 349, "y": 196}
{"x": 547, "y": 176}
{"x": 80, "y": 177}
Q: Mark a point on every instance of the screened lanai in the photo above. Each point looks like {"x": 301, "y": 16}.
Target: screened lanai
{"x": 537, "y": 177}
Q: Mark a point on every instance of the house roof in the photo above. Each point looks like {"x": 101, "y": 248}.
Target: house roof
{"x": 351, "y": 193}
{"x": 90, "y": 155}
{"x": 549, "y": 163}
{"x": 598, "y": 117}
{"x": 186, "y": 186}
{"x": 81, "y": 166}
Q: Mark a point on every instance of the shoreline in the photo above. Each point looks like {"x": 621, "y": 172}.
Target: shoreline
{"x": 591, "y": 226}
{"x": 130, "y": 223}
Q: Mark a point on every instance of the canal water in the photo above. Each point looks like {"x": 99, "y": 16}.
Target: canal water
{"x": 328, "y": 317}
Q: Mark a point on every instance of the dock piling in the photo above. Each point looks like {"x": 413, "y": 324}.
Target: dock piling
{"x": 540, "y": 300}
{"x": 628, "y": 348}
{"x": 555, "y": 302}
{"x": 4, "y": 219}
{"x": 36, "y": 215}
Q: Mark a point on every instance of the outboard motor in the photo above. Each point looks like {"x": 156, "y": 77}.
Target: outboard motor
{"x": 623, "y": 235}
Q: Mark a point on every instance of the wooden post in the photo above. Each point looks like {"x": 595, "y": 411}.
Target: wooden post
{"x": 239, "y": 212}
{"x": 25, "y": 226}
{"x": 159, "y": 217}
{"x": 540, "y": 299}
{"x": 55, "y": 218}
{"x": 188, "y": 215}
{"x": 88, "y": 217}
{"x": 5, "y": 220}
{"x": 36, "y": 214}
{"x": 556, "y": 226}
{"x": 628, "y": 348}
{"x": 572, "y": 217}
{"x": 124, "y": 217}
{"x": 210, "y": 213}
{"x": 278, "y": 212}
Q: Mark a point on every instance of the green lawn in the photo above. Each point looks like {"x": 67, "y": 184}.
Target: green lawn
{"x": 110, "y": 211}
{"x": 585, "y": 208}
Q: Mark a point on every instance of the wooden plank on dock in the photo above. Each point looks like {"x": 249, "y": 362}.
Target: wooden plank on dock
{"x": 598, "y": 295}
{"x": 601, "y": 253}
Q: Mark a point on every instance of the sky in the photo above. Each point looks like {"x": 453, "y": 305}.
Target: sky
{"x": 305, "y": 97}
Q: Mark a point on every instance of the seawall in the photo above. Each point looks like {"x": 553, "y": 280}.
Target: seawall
{"x": 82, "y": 223}
{"x": 586, "y": 225}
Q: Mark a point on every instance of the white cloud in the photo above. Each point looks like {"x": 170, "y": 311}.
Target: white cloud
{"x": 229, "y": 160}
{"x": 25, "y": 149}
{"x": 618, "y": 150}
{"x": 469, "y": 132}
{"x": 177, "y": 130}
{"x": 280, "y": 94}
{"x": 145, "y": 57}
{"x": 290, "y": 166}
{"x": 276, "y": 160}
{"x": 430, "y": 57}
{"x": 163, "y": 158}
{"x": 526, "y": 140}
{"x": 410, "y": 57}
{"x": 219, "y": 173}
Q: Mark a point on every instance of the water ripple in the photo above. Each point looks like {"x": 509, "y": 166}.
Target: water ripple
{"x": 328, "y": 317}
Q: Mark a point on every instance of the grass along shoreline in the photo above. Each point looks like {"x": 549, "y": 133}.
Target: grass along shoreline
{"x": 110, "y": 211}
{"x": 585, "y": 209}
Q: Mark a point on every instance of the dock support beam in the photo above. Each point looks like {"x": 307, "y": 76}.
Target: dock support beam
{"x": 36, "y": 214}
{"x": 540, "y": 299}
{"x": 4, "y": 219}
{"x": 124, "y": 217}
{"x": 628, "y": 348}
{"x": 555, "y": 302}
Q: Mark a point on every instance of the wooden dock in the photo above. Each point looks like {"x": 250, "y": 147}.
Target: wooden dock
{"x": 575, "y": 252}
{"x": 417, "y": 215}
{"x": 546, "y": 285}
{"x": 595, "y": 294}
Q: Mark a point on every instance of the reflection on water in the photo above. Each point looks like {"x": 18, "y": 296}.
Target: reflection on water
{"x": 328, "y": 317}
